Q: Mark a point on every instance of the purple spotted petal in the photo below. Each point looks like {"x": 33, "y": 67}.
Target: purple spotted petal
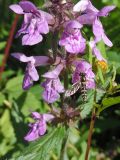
{"x": 16, "y": 8}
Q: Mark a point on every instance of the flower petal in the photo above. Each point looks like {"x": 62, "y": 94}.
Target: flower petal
{"x": 105, "y": 11}
{"x": 32, "y": 72}
{"x": 54, "y": 73}
{"x": 48, "y": 117}
{"x": 33, "y": 134}
{"x": 81, "y": 6}
{"x": 16, "y": 8}
{"x": 41, "y": 60}
{"x": 27, "y": 6}
{"x": 42, "y": 127}
{"x": 21, "y": 57}
{"x": 27, "y": 82}
{"x": 33, "y": 39}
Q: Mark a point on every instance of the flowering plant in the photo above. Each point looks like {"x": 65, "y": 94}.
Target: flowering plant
{"x": 77, "y": 68}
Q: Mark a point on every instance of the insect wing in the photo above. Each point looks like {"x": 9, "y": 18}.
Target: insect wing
{"x": 73, "y": 90}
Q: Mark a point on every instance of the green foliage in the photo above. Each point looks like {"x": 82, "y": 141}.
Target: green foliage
{"x": 7, "y": 135}
{"x": 108, "y": 102}
{"x": 41, "y": 149}
{"x": 2, "y": 98}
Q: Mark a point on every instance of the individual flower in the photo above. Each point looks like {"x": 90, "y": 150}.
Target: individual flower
{"x": 72, "y": 38}
{"x": 35, "y": 22}
{"x": 39, "y": 127}
{"x": 31, "y": 72}
{"x": 91, "y": 16}
{"x": 86, "y": 68}
{"x": 52, "y": 86}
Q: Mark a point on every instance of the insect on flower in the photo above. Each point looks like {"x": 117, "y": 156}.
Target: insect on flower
{"x": 81, "y": 84}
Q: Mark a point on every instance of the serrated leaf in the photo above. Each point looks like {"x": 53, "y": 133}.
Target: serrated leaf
{"x": 107, "y": 102}
{"x": 87, "y": 107}
{"x": 41, "y": 149}
{"x": 14, "y": 86}
{"x": 6, "y": 130}
{"x": 28, "y": 103}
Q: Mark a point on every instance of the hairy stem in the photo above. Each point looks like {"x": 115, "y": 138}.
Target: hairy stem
{"x": 93, "y": 117}
{"x": 8, "y": 45}
{"x": 54, "y": 43}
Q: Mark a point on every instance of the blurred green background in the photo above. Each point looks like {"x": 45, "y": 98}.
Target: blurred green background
{"x": 16, "y": 104}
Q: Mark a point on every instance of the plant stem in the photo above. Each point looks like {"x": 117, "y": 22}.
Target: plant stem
{"x": 93, "y": 117}
{"x": 54, "y": 43}
{"x": 8, "y": 45}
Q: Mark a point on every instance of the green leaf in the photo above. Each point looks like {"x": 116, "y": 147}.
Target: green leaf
{"x": 2, "y": 45}
{"x": 101, "y": 47}
{"x": 28, "y": 103}
{"x": 107, "y": 102}
{"x": 2, "y": 98}
{"x": 14, "y": 86}
{"x": 41, "y": 149}
{"x": 6, "y": 130}
{"x": 100, "y": 74}
{"x": 87, "y": 107}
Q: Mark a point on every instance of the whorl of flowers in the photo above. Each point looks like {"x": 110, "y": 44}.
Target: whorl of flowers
{"x": 68, "y": 21}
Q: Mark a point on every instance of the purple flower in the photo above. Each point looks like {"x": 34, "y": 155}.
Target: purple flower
{"x": 35, "y": 22}
{"x": 91, "y": 16}
{"x": 52, "y": 85}
{"x": 38, "y": 128}
{"x": 84, "y": 67}
{"x": 31, "y": 72}
{"x": 72, "y": 38}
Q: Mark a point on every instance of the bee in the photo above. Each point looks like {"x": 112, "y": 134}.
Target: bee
{"x": 78, "y": 85}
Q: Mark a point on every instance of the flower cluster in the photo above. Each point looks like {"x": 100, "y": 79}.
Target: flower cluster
{"x": 71, "y": 42}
